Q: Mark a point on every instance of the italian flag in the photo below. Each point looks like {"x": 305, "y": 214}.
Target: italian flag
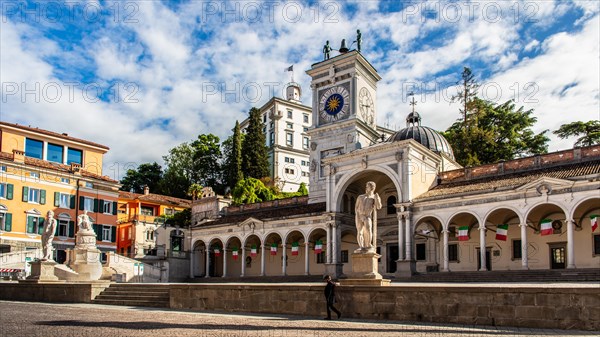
{"x": 318, "y": 247}
{"x": 235, "y": 253}
{"x": 502, "y": 232}
{"x": 294, "y": 248}
{"x": 274, "y": 249}
{"x": 546, "y": 227}
{"x": 463, "y": 233}
{"x": 594, "y": 222}
{"x": 217, "y": 251}
{"x": 253, "y": 251}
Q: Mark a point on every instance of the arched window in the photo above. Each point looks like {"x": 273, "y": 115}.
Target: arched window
{"x": 391, "y": 200}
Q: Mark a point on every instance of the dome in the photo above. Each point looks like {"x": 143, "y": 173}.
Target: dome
{"x": 426, "y": 136}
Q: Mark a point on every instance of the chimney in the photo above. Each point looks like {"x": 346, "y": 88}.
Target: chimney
{"x": 18, "y": 156}
{"x": 146, "y": 190}
{"x": 76, "y": 168}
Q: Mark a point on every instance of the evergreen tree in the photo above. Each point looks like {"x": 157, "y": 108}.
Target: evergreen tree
{"x": 589, "y": 131}
{"x": 232, "y": 150}
{"x": 255, "y": 160}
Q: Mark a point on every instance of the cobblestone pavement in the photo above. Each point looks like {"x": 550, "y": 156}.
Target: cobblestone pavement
{"x": 82, "y": 320}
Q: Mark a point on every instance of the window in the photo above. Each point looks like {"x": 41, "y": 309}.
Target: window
{"x": 305, "y": 118}
{"x": 89, "y": 184}
{"x": 289, "y": 126}
{"x": 177, "y": 237}
{"x": 35, "y": 224}
{"x": 65, "y": 180}
{"x": 63, "y": 227}
{"x": 305, "y": 143}
{"x": 107, "y": 207}
{"x": 516, "y": 250}
{"x": 6, "y": 191}
{"x": 289, "y": 139}
{"x": 305, "y": 174}
{"x": 5, "y": 221}
{"x": 88, "y": 204}
{"x": 34, "y": 195}
{"x": 34, "y": 148}
{"x": 289, "y": 171}
{"x": 271, "y": 125}
{"x": 2, "y": 168}
{"x": 265, "y": 130}
{"x": 74, "y": 156}
{"x": 391, "y": 200}
{"x": 321, "y": 257}
{"x": 106, "y": 231}
{"x": 146, "y": 210}
{"x": 55, "y": 153}
{"x": 169, "y": 211}
{"x": 34, "y": 175}
{"x": 289, "y": 160}
{"x": 453, "y": 252}
{"x": 596, "y": 244}
{"x": 64, "y": 200}
{"x": 150, "y": 235}
{"x": 272, "y": 138}
{"x": 305, "y": 129}
{"x": 344, "y": 256}
{"x": 290, "y": 114}
{"x": 264, "y": 118}
{"x": 421, "y": 252}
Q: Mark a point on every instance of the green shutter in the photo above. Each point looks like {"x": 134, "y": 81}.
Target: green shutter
{"x": 56, "y": 199}
{"x": 98, "y": 230}
{"x": 100, "y": 206}
{"x": 40, "y": 225}
{"x": 113, "y": 234}
{"x": 9, "y": 191}
{"x": 30, "y": 224}
{"x": 114, "y": 210}
{"x": 95, "y": 205}
{"x": 25, "y": 193}
{"x": 81, "y": 199}
{"x": 8, "y": 222}
{"x": 71, "y": 229}
{"x": 56, "y": 229}
{"x": 72, "y": 203}
{"x": 43, "y": 197}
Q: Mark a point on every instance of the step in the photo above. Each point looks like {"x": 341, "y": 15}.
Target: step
{"x": 133, "y": 303}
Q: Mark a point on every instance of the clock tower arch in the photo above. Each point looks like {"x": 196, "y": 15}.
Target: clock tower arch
{"x": 344, "y": 96}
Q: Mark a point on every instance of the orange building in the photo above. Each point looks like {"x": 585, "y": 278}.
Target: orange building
{"x": 43, "y": 171}
{"x": 139, "y": 216}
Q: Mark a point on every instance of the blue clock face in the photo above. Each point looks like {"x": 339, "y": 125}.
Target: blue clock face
{"x": 334, "y": 104}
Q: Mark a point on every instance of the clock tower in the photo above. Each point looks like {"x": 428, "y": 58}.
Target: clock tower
{"x": 344, "y": 105}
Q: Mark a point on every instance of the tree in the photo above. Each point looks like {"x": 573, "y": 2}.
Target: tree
{"x": 180, "y": 172}
{"x": 302, "y": 189}
{"x": 232, "y": 151}
{"x": 251, "y": 190}
{"x": 589, "y": 131}
{"x": 194, "y": 191}
{"x": 255, "y": 160}
{"x": 145, "y": 175}
{"x": 207, "y": 161}
{"x": 487, "y": 133}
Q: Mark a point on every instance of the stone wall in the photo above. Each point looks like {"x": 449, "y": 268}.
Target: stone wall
{"x": 535, "y": 307}
{"x": 51, "y": 292}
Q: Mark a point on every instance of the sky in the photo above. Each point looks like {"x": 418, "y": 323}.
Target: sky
{"x": 141, "y": 77}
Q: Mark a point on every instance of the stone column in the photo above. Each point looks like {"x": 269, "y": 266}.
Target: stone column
{"x": 207, "y": 263}
{"x": 400, "y": 218}
{"x": 570, "y": 245}
{"x": 482, "y": 231}
{"x": 407, "y": 239}
{"x": 192, "y": 258}
{"x": 224, "y": 262}
{"x": 243, "y": 272}
{"x": 334, "y": 243}
{"x": 283, "y": 257}
{"x": 524, "y": 245}
{"x": 446, "y": 266}
{"x": 262, "y": 260}
{"x": 306, "y": 260}
{"x": 328, "y": 247}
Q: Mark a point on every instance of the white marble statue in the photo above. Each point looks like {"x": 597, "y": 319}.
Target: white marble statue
{"x": 84, "y": 222}
{"x": 48, "y": 236}
{"x": 366, "y": 217}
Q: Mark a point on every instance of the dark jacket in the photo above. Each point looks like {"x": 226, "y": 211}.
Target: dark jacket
{"x": 330, "y": 291}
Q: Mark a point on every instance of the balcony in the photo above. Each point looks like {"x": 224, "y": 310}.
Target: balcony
{"x": 122, "y": 218}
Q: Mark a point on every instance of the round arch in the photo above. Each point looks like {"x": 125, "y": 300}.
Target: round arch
{"x": 356, "y": 174}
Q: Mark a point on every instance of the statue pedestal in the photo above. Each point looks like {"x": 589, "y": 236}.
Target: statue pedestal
{"x": 85, "y": 257}
{"x": 364, "y": 271}
{"x": 42, "y": 271}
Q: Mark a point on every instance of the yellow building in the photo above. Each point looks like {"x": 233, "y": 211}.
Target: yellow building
{"x": 140, "y": 216}
{"x": 41, "y": 170}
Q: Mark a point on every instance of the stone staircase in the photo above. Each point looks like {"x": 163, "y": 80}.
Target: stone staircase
{"x": 131, "y": 294}
{"x": 525, "y": 276}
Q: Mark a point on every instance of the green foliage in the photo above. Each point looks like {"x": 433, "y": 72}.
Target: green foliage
{"x": 251, "y": 190}
{"x": 145, "y": 174}
{"x": 181, "y": 218}
{"x": 206, "y": 161}
{"x": 195, "y": 191}
{"x": 589, "y": 131}
{"x": 232, "y": 151}
{"x": 255, "y": 160}
{"x": 302, "y": 189}
{"x": 488, "y": 133}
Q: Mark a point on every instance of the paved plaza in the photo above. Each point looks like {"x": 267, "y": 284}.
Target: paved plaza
{"x": 81, "y": 320}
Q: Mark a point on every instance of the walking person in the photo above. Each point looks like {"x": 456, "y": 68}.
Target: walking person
{"x": 330, "y": 297}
